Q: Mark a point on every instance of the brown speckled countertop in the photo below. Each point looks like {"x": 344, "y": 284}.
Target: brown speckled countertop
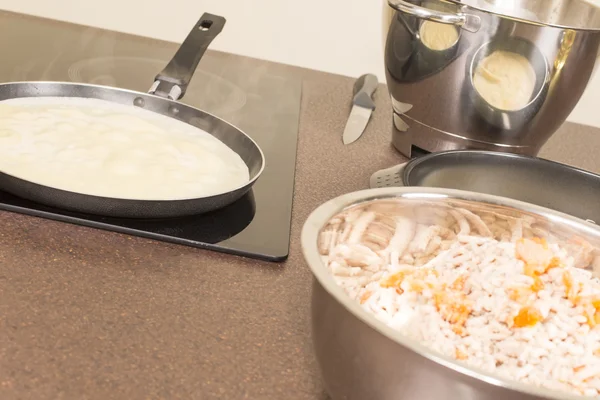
{"x": 89, "y": 314}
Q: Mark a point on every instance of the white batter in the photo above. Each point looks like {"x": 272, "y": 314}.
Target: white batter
{"x": 101, "y": 148}
{"x": 505, "y": 80}
{"x": 438, "y": 36}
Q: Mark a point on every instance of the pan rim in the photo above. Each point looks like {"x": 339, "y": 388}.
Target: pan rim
{"x": 249, "y": 183}
{"x": 415, "y": 162}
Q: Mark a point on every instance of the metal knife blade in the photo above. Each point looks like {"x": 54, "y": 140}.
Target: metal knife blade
{"x": 362, "y": 108}
{"x": 356, "y": 124}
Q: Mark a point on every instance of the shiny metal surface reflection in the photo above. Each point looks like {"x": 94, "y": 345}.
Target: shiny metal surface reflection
{"x": 435, "y": 104}
{"x": 361, "y": 358}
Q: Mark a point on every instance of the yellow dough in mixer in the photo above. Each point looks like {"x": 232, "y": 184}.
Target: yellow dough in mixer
{"x": 437, "y": 36}
{"x": 505, "y": 80}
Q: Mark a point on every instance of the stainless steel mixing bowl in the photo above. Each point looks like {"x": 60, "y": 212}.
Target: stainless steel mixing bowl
{"x": 436, "y": 107}
{"x": 362, "y": 358}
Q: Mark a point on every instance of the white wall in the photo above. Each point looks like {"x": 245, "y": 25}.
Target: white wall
{"x": 339, "y": 36}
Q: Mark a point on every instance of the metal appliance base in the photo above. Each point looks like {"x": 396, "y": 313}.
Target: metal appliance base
{"x": 408, "y": 134}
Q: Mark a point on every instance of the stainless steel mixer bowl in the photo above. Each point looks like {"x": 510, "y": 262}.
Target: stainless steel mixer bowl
{"x": 433, "y": 103}
{"x": 362, "y": 358}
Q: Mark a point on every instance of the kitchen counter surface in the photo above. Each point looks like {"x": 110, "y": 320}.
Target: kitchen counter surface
{"x": 89, "y": 314}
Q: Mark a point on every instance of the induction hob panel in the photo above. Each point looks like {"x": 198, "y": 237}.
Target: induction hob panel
{"x": 266, "y": 106}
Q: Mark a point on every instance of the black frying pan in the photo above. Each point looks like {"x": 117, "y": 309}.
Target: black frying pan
{"x": 169, "y": 86}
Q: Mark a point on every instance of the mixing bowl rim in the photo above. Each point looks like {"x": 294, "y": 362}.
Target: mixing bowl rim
{"x": 522, "y": 20}
{"x": 322, "y": 214}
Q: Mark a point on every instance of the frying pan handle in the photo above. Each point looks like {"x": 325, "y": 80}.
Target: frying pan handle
{"x": 172, "y": 82}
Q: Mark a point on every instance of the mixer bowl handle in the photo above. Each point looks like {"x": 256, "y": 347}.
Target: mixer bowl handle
{"x": 467, "y": 22}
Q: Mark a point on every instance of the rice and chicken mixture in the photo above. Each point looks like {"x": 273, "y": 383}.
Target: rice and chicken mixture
{"x": 496, "y": 290}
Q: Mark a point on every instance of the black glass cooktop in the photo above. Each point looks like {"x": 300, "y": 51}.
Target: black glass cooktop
{"x": 266, "y": 106}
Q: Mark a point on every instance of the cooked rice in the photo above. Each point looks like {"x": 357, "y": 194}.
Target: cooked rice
{"x": 497, "y": 292}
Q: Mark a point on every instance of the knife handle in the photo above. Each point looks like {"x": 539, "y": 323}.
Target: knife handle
{"x": 364, "y": 88}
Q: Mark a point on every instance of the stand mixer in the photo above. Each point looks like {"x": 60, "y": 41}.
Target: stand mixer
{"x": 436, "y": 105}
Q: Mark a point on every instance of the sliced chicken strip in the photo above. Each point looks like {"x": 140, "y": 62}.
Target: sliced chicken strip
{"x": 422, "y": 260}
{"x": 501, "y": 228}
{"x": 337, "y": 220}
{"x": 354, "y": 213}
{"x": 516, "y": 227}
{"x": 423, "y": 237}
{"x": 357, "y": 255}
{"x": 488, "y": 218}
{"x": 582, "y": 251}
{"x": 447, "y": 233}
{"x": 346, "y": 231}
{"x": 500, "y": 215}
{"x": 360, "y": 226}
{"x": 349, "y": 217}
{"x": 420, "y": 228}
{"x": 476, "y": 222}
{"x": 344, "y": 270}
{"x": 407, "y": 259}
{"x": 405, "y": 231}
{"x": 446, "y": 244}
{"x": 326, "y": 240}
{"x": 450, "y": 221}
{"x": 433, "y": 246}
{"x": 463, "y": 225}
{"x": 498, "y": 232}
{"x": 505, "y": 237}
{"x": 432, "y": 215}
{"x": 379, "y": 233}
